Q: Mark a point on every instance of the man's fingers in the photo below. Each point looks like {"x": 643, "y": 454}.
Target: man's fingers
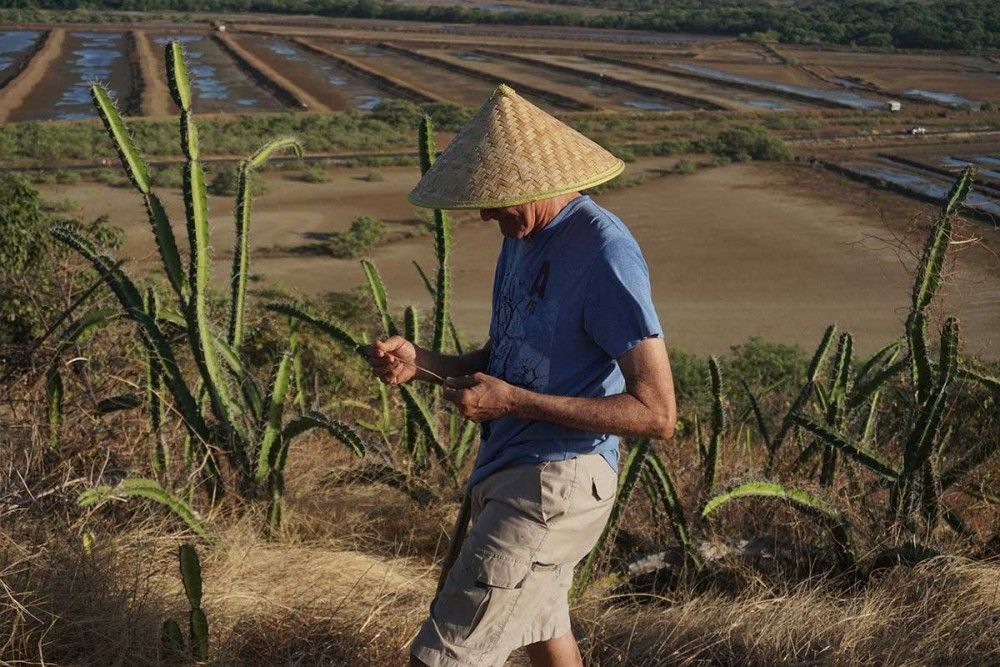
{"x": 461, "y": 382}
{"x": 391, "y": 344}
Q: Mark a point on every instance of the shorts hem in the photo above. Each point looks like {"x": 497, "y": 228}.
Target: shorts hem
{"x": 433, "y": 657}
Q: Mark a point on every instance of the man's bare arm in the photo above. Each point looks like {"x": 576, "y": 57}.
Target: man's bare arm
{"x": 646, "y": 408}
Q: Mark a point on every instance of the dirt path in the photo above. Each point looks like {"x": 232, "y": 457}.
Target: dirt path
{"x": 737, "y": 251}
{"x": 14, "y": 94}
{"x": 291, "y": 90}
{"x": 155, "y": 94}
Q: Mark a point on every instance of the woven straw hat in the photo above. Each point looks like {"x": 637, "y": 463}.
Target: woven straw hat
{"x": 509, "y": 153}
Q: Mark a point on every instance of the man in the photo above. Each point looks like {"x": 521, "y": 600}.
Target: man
{"x": 575, "y": 357}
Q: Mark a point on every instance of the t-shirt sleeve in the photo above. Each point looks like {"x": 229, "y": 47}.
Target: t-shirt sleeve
{"x": 618, "y": 307}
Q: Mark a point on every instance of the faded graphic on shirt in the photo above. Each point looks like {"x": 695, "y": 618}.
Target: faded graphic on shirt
{"x": 523, "y": 326}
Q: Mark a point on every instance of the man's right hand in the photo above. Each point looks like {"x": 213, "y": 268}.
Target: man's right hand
{"x": 392, "y": 360}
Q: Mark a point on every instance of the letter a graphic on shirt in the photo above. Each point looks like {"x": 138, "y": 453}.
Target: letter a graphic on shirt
{"x": 541, "y": 280}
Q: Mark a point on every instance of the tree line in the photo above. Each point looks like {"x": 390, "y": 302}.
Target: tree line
{"x": 930, "y": 24}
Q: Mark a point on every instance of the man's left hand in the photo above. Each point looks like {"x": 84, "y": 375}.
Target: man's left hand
{"x": 481, "y": 397}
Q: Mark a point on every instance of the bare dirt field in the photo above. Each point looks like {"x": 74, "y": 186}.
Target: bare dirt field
{"x": 734, "y": 252}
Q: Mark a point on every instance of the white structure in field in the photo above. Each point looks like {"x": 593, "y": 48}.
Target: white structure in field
{"x": 893, "y": 105}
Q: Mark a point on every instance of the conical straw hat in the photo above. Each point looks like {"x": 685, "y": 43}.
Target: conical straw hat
{"x": 511, "y": 152}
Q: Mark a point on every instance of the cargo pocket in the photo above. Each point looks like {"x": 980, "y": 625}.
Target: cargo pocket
{"x": 604, "y": 484}
{"x": 485, "y": 606}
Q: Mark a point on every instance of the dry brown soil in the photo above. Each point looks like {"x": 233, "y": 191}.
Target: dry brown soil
{"x": 736, "y": 251}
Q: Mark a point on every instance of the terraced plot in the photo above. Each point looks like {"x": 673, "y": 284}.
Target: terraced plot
{"x": 697, "y": 93}
{"x": 331, "y": 83}
{"x": 85, "y": 57}
{"x": 14, "y": 47}
{"x": 594, "y": 90}
{"x": 442, "y": 83}
{"x": 219, "y": 85}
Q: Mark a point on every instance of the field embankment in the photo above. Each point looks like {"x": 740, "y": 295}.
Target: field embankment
{"x": 17, "y": 90}
{"x": 155, "y": 99}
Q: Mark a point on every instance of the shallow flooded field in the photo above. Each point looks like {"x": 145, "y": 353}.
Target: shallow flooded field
{"x": 330, "y": 82}
{"x": 443, "y": 83}
{"x": 219, "y": 84}
{"x": 710, "y": 92}
{"x": 584, "y": 89}
{"x": 14, "y": 45}
{"x": 86, "y": 57}
{"x": 925, "y": 183}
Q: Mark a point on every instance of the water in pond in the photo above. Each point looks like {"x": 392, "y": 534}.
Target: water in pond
{"x": 13, "y": 43}
{"x": 93, "y": 59}
{"x": 927, "y": 186}
{"x": 219, "y": 84}
{"x": 207, "y": 85}
{"x": 474, "y": 57}
{"x": 962, "y": 162}
{"x": 949, "y": 99}
{"x": 838, "y": 97}
{"x": 324, "y": 72}
{"x": 366, "y": 50}
{"x": 646, "y": 105}
{"x": 987, "y": 159}
{"x": 770, "y": 105}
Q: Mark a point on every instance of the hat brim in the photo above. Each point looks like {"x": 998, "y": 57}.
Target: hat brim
{"x": 431, "y": 202}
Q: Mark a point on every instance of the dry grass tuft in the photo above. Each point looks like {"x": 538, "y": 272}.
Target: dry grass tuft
{"x": 943, "y": 612}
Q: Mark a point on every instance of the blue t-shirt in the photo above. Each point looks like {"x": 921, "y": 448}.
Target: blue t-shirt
{"x": 568, "y": 301}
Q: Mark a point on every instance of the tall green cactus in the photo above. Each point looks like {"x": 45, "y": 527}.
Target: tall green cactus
{"x": 442, "y": 243}
{"x": 840, "y": 377}
{"x": 241, "y": 426}
{"x": 710, "y": 454}
{"x": 926, "y": 285}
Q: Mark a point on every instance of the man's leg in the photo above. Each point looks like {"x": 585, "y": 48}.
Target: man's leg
{"x": 559, "y": 652}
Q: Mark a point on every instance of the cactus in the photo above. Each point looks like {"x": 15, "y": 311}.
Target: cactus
{"x": 54, "y": 391}
{"x": 804, "y": 394}
{"x": 379, "y": 298}
{"x": 159, "y": 457}
{"x": 275, "y": 408}
{"x": 710, "y": 454}
{"x": 801, "y": 500}
{"x": 839, "y": 385}
{"x": 926, "y": 285}
{"x": 150, "y": 489}
{"x": 442, "y": 243}
{"x": 660, "y": 487}
{"x": 432, "y": 291}
{"x": 217, "y": 359}
{"x": 170, "y": 632}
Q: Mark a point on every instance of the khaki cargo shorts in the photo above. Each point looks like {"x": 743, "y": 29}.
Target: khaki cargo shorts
{"x": 531, "y": 524}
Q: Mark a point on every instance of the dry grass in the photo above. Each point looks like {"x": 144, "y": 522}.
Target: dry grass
{"x": 942, "y": 612}
{"x": 349, "y": 577}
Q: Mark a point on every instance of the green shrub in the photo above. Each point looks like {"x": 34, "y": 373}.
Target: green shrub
{"x": 365, "y": 233}
{"x": 226, "y": 181}
{"x": 315, "y": 174}
{"x": 170, "y": 177}
{"x": 748, "y": 142}
{"x": 686, "y": 166}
